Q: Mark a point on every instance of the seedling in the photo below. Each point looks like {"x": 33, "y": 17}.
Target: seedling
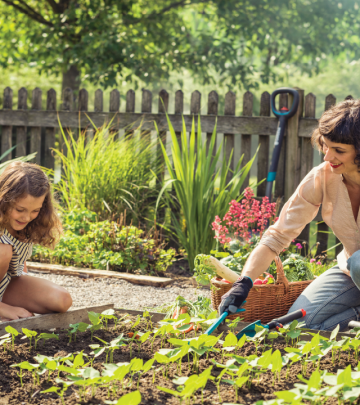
{"x": 13, "y": 332}
{"x": 45, "y": 336}
{"x": 75, "y": 328}
{"x": 29, "y": 334}
{"x": 25, "y": 365}
{"x": 60, "y": 392}
{"x": 4, "y": 340}
{"x": 106, "y": 315}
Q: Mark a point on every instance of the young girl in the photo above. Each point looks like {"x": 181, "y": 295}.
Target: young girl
{"x": 27, "y": 216}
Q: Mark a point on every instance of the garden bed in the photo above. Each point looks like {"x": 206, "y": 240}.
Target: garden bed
{"x": 259, "y": 386}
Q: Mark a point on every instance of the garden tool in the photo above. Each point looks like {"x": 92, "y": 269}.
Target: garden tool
{"x": 284, "y": 114}
{"x": 354, "y": 324}
{"x": 220, "y": 320}
{"x": 275, "y": 323}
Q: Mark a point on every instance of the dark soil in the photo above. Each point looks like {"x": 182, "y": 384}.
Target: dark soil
{"x": 11, "y": 391}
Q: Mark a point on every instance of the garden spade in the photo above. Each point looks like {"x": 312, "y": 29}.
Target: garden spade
{"x": 275, "y": 323}
{"x": 284, "y": 114}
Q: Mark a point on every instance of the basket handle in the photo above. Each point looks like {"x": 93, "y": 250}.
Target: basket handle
{"x": 281, "y": 278}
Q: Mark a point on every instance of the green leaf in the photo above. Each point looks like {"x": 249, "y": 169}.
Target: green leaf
{"x": 230, "y": 340}
{"x": 335, "y": 332}
{"x": 133, "y": 398}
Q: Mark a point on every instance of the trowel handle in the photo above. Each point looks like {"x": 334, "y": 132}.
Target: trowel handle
{"x": 220, "y": 320}
{"x": 287, "y": 318}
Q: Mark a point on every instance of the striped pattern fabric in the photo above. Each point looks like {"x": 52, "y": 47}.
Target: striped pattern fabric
{"x": 21, "y": 252}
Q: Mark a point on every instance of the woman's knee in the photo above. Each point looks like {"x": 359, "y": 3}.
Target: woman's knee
{"x": 353, "y": 264}
{"x": 61, "y": 302}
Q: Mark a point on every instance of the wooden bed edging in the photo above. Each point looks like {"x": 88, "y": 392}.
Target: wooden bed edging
{"x": 93, "y": 273}
{"x": 50, "y": 321}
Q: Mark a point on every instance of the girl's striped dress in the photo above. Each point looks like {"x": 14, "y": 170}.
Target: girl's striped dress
{"x": 21, "y": 252}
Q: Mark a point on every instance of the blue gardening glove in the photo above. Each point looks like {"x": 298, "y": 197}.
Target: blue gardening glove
{"x": 233, "y": 299}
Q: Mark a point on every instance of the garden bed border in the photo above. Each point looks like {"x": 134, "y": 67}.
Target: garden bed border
{"x": 63, "y": 320}
{"x": 94, "y": 273}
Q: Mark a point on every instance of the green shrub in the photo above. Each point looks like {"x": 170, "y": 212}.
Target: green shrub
{"x": 108, "y": 175}
{"x": 106, "y": 245}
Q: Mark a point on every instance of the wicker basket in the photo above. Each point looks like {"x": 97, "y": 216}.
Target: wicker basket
{"x": 264, "y": 302}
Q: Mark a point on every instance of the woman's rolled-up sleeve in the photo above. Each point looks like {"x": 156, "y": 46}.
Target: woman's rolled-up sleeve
{"x": 299, "y": 210}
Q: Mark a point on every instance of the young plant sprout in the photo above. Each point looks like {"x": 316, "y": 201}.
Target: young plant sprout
{"x": 45, "y": 336}
{"x": 75, "y": 328}
{"x": 59, "y": 391}
{"x": 13, "y": 332}
{"x": 25, "y": 365}
{"x": 4, "y": 340}
{"x": 29, "y": 334}
{"x": 106, "y": 315}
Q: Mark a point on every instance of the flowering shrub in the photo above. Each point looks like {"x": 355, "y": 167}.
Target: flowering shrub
{"x": 244, "y": 218}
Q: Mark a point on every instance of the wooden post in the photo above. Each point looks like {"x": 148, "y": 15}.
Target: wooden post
{"x": 130, "y": 108}
{"x": 195, "y": 108}
{"x": 213, "y": 104}
{"x": 162, "y": 109}
{"x": 99, "y": 101}
{"x": 83, "y": 100}
{"x": 246, "y": 139}
{"x": 280, "y": 175}
{"x": 179, "y": 109}
{"x": 6, "y": 136}
{"x": 292, "y": 145}
{"x": 35, "y": 133}
{"x": 306, "y": 159}
{"x": 21, "y": 136}
{"x": 322, "y": 238}
{"x": 229, "y": 139}
{"x": 146, "y": 107}
{"x": 264, "y": 142}
{"x": 114, "y": 107}
{"x": 67, "y": 105}
{"x": 49, "y": 160}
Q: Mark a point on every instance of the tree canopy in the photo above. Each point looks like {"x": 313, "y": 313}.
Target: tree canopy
{"x": 241, "y": 41}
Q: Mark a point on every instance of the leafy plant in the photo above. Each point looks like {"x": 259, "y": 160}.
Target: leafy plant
{"x": 13, "y": 332}
{"x": 44, "y": 337}
{"x": 201, "y": 191}
{"x": 107, "y": 245}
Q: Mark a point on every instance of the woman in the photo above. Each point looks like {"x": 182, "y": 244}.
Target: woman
{"x": 334, "y": 297}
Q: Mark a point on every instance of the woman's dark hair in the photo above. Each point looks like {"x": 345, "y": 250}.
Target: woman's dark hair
{"x": 340, "y": 124}
{"x": 18, "y": 180}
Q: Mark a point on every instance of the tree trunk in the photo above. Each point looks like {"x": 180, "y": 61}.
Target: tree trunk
{"x": 71, "y": 78}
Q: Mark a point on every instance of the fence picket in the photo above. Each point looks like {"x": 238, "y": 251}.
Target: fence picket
{"x": 245, "y": 138}
{"x": 6, "y": 136}
{"x": 321, "y": 237}
{"x": 35, "y": 133}
{"x": 83, "y": 100}
{"x": 307, "y": 153}
{"x": 130, "y": 108}
{"x": 213, "y": 105}
{"x": 179, "y": 109}
{"x": 99, "y": 101}
{"x": 67, "y": 105}
{"x": 49, "y": 140}
{"x": 292, "y": 165}
{"x": 264, "y": 142}
{"x": 162, "y": 109}
{"x": 21, "y": 132}
{"x": 146, "y": 107}
{"x": 280, "y": 175}
{"x": 229, "y": 139}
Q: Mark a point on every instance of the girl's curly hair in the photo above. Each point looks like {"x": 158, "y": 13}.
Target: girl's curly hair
{"x": 18, "y": 180}
{"x": 340, "y": 124}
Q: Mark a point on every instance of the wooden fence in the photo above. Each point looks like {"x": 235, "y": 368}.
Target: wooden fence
{"x": 33, "y": 129}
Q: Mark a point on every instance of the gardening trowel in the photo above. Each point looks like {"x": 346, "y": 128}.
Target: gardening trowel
{"x": 275, "y": 323}
{"x": 220, "y": 320}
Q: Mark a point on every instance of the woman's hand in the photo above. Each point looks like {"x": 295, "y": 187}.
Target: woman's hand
{"x": 233, "y": 299}
{"x": 10, "y": 313}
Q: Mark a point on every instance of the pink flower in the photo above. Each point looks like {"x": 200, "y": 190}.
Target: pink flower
{"x": 318, "y": 263}
{"x": 299, "y": 245}
{"x": 312, "y": 260}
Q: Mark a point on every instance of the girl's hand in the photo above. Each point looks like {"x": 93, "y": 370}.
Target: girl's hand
{"x": 9, "y": 313}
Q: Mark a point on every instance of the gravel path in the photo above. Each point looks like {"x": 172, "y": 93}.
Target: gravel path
{"x": 90, "y": 292}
